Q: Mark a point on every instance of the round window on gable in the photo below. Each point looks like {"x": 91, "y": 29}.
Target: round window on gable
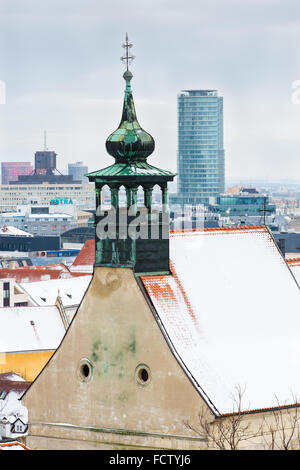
{"x": 142, "y": 374}
{"x": 85, "y": 370}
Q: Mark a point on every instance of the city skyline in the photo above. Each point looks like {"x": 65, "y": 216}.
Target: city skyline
{"x": 52, "y": 62}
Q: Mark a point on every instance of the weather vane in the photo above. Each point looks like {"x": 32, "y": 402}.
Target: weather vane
{"x": 127, "y": 58}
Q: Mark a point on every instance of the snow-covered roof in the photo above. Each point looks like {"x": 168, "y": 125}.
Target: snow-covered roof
{"x": 231, "y": 314}
{"x": 10, "y": 381}
{"x": 30, "y": 329}
{"x": 8, "y": 230}
{"x": 50, "y": 215}
{"x": 70, "y": 290}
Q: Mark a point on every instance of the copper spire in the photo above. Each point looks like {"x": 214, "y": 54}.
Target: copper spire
{"x": 129, "y": 143}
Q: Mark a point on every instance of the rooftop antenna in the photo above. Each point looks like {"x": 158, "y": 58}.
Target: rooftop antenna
{"x": 265, "y": 210}
{"x": 127, "y": 58}
{"x": 45, "y": 141}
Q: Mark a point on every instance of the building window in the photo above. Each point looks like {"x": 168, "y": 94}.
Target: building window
{"x": 85, "y": 370}
{"x": 6, "y": 294}
{"x": 142, "y": 374}
{"x": 3, "y": 394}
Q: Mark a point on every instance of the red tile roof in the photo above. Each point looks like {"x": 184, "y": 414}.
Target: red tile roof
{"x": 86, "y": 256}
{"x": 20, "y": 274}
{"x": 220, "y": 229}
{"x": 5, "y": 445}
{"x": 293, "y": 261}
{"x": 8, "y": 384}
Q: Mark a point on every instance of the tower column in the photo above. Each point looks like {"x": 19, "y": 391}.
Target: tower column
{"x": 114, "y": 198}
{"x": 98, "y": 191}
{"x": 148, "y": 197}
{"x": 128, "y": 196}
{"x": 134, "y": 198}
{"x": 164, "y": 199}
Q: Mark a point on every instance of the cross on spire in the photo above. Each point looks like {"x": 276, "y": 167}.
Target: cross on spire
{"x": 127, "y": 58}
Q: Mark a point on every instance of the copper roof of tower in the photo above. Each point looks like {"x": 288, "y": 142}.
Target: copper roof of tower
{"x": 129, "y": 144}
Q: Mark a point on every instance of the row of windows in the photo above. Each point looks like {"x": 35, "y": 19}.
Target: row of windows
{"x": 213, "y": 172}
{"x": 198, "y": 99}
{"x": 200, "y": 182}
{"x": 197, "y": 112}
{"x": 185, "y": 132}
{"x": 187, "y": 136}
{"x": 197, "y": 146}
{"x": 198, "y": 108}
{"x": 195, "y": 188}
{"x": 193, "y": 151}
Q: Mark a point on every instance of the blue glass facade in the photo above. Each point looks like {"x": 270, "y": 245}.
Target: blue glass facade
{"x": 201, "y": 170}
{"x": 241, "y": 205}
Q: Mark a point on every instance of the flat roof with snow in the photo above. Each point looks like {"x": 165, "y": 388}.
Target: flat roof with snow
{"x": 30, "y": 329}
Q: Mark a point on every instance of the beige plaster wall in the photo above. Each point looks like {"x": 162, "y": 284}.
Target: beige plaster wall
{"x": 116, "y": 331}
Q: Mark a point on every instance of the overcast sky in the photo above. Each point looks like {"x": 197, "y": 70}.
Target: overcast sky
{"x": 60, "y": 61}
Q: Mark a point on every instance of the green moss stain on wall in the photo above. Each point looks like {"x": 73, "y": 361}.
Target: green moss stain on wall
{"x": 112, "y": 357}
{"x": 96, "y": 351}
{"x": 132, "y": 342}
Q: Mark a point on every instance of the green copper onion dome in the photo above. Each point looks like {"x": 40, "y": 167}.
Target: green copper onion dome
{"x": 129, "y": 143}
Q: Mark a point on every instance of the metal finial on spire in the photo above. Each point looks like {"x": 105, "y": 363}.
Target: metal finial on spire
{"x": 127, "y": 58}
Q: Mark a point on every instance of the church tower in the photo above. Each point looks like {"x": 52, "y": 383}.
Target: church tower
{"x": 115, "y": 382}
{"x": 131, "y": 236}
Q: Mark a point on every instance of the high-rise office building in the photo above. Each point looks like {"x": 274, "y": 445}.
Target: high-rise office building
{"x": 44, "y": 171}
{"x": 78, "y": 170}
{"x": 11, "y": 170}
{"x": 201, "y": 170}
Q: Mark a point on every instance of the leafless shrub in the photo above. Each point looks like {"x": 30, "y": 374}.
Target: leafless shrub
{"x": 227, "y": 431}
{"x": 275, "y": 429}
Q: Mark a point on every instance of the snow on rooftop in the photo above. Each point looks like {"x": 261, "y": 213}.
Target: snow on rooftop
{"x": 50, "y": 215}
{"x": 12, "y": 376}
{"x": 70, "y": 290}
{"x": 30, "y": 329}
{"x": 11, "y": 408}
{"x": 8, "y": 230}
{"x": 231, "y": 312}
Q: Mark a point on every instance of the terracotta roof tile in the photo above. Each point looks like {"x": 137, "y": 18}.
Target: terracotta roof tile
{"x": 293, "y": 261}
{"x": 19, "y": 274}
{"x": 6, "y": 445}
{"x": 86, "y": 256}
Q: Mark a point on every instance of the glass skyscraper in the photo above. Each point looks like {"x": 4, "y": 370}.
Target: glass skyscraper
{"x": 201, "y": 170}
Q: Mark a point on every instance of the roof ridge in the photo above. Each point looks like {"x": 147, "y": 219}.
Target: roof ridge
{"x": 292, "y": 260}
{"x": 221, "y": 229}
{"x": 260, "y": 410}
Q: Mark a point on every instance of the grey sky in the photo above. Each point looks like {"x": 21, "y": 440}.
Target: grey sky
{"x": 61, "y": 64}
